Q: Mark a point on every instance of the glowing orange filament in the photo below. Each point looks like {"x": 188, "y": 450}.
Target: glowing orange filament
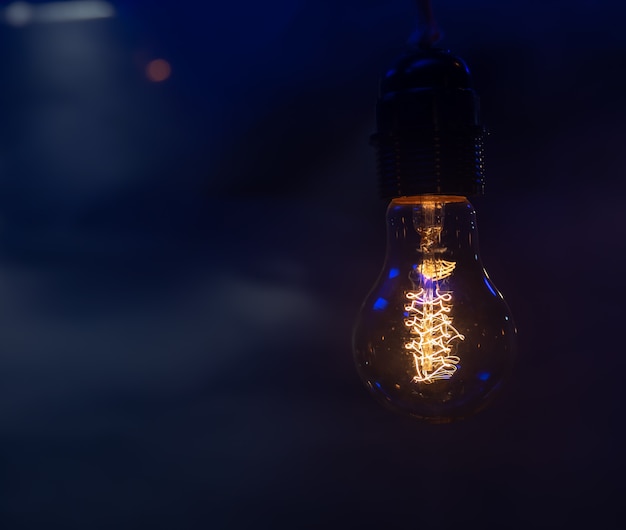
{"x": 432, "y": 335}
{"x": 430, "y": 324}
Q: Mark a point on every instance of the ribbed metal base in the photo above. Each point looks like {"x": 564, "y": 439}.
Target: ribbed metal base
{"x": 431, "y": 163}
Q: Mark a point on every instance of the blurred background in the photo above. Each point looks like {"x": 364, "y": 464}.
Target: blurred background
{"x": 189, "y": 222}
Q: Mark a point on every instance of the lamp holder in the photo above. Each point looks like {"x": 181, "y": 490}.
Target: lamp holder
{"x": 429, "y": 135}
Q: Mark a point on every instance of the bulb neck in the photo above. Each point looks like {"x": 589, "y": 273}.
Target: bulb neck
{"x": 451, "y": 217}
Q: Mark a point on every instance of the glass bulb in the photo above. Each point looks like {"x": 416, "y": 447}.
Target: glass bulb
{"x": 434, "y": 338}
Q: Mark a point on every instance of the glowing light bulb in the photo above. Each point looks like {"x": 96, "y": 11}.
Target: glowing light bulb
{"x": 434, "y": 338}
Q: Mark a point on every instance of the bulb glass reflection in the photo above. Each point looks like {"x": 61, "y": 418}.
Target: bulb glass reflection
{"x": 434, "y": 338}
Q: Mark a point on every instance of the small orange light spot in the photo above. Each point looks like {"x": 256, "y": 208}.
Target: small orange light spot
{"x": 158, "y": 70}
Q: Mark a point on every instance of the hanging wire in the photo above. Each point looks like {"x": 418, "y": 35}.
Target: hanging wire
{"x": 427, "y": 32}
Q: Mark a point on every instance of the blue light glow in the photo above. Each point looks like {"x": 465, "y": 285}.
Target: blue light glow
{"x": 379, "y": 386}
{"x": 380, "y": 304}
{"x": 394, "y": 273}
{"x": 491, "y": 290}
{"x": 484, "y": 376}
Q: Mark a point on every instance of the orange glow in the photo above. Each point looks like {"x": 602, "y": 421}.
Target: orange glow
{"x": 158, "y": 70}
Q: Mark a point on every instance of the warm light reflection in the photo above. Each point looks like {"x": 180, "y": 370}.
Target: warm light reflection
{"x": 158, "y": 70}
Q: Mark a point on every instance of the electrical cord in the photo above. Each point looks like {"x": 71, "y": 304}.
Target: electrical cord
{"x": 427, "y": 32}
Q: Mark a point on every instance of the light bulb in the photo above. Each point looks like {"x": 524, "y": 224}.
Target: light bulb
{"x": 434, "y": 338}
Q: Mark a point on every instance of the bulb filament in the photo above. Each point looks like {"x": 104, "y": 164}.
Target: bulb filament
{"x": 428, "y": 309}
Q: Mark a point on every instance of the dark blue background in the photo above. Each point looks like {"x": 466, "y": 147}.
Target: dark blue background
{"x": 181, "y": 264}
